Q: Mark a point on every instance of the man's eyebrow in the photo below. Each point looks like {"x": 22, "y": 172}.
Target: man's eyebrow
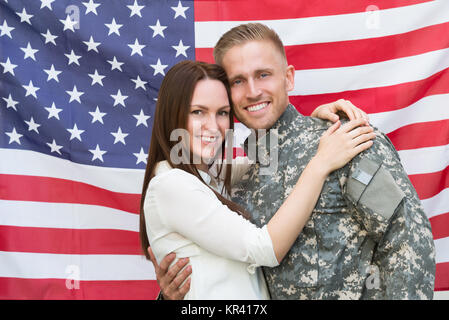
{"x": 258, "y": 71}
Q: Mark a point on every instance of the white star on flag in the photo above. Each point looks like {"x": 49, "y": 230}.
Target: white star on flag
{"x": 96, "y": 78}
{"x": 97, "y": 115}
{"x": 53, "y": 111}
{"x": 181, "y": 49}
{"x": 141, "y": 118}
{"x": 75, "y": 133}
{"x": 14, "y": 136}
{"x": 75, "y": 94}
{"x": 141, "y": 156}
{"x": 113, "y": 27}
{"x": 32, "y": 126}
{"x": 52, "y": 73}
{"x": 24, "y": 16}
{"x": 91, "y": 45}
{"x": 29, "y": 52}
{"x": 119, "y": 136}
{"x": 91, "y": 7}
{"x": 115, "y": 64}
{"x": 139, "y": 83}
{"x": 135, "y": 9}
{"x": 5, "y": 29}
{"x": 54, "y": 147}
{"x": 97, "y": 153}
{"x": 69, "y": 24}
{"x": 119, "y": 98}
{"x": 10, "y": 103}
{"x": 158, "y": 29}
{"x": 30, "y": 89}
{"x": 47, "y": 3}
{"x": 73, "y": 58}
{"x": 158, "y": 67}
{"x": 180, "y": 10}
{"x": 8, "y": 66}
{"x": 136, "y": 48}
{"x": 49, "y": 37}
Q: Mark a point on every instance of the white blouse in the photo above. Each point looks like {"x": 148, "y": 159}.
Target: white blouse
{"x": 184, "y": 216}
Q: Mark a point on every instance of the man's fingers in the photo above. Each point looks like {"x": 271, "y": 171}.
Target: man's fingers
{"x": 166, "y": 262}
{"x": 174, "y": 270}
{"x": 180, "y": 278}
{"x": 344, "y": 106}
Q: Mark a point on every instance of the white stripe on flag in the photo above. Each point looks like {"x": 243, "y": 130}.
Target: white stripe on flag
{"x": 425, "y": 160}
{"x": 431, "y": 108}
{"x": 441, "y": 248}
{"x": 24, "y": 162}
{"x": 341, "y": 27}
{"x": 65, "y": 216}
{"x": 438, "y": 204}
{"x": 385, "y": 73}
{"x": 90, "y": 266}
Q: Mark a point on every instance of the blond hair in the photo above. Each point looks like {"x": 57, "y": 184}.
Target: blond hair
{"x": 244, "y": 33}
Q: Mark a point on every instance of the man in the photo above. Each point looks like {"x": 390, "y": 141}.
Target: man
{"x": 368, "y": 236}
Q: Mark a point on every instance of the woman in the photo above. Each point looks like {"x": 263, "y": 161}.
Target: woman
{"x": 184, "y": 208}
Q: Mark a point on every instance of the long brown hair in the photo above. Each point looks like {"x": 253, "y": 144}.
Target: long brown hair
{"x": 172, "y": 110}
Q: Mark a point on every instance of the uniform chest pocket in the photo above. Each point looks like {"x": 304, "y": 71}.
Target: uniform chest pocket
{"x": 373, "y": 191}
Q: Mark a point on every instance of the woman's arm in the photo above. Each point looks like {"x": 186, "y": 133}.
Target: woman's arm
{"x": 337, "y": 147}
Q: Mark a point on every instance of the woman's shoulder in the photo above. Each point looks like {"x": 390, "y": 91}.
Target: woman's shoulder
{"x": 174, "y": 179}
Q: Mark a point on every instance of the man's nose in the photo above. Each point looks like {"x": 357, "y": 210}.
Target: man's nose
{"x": 253, "y": 91}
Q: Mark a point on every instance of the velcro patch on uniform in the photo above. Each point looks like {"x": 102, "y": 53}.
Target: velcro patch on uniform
{"x": 362, "y": 176}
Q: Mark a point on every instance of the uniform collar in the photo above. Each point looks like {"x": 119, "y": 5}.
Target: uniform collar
{"x": 280, "y": 130}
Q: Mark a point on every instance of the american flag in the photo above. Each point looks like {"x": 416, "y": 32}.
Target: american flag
{"x": 78, "y": 83}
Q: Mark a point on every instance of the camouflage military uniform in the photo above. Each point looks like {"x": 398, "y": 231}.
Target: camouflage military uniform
{"x": 367, "y": 218}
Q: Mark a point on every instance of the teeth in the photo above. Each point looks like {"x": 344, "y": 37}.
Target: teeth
{"x": 257, "y": 107}
{"x": 209, "y": 139}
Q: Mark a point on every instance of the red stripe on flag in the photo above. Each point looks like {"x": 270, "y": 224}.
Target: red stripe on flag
{"x": 442, "y": 277}
{"x": 69, "y": 241}
{"x": 421, "y": 135}
{"x": 440, "y": 226}
{"x": 365, "y": 51}
{"x": 238, "y": 10}
{"x": 44, "y": 189}
{"x": 56, "y": 289}
{"x": 358, "y": 52}
{"x": 379, "y": 99}
{"x": 428, "y": 185}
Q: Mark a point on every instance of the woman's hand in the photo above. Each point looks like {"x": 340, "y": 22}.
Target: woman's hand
{"x": 329, "y": 111}
{"x": 340, "y": 143}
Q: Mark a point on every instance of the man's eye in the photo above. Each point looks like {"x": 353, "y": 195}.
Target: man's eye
{"x": 236, "y": 82}
{"x": 263, "y": 75}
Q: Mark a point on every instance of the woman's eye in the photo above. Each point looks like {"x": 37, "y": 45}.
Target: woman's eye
{"x": 224, "y": 113}
{"x": 236, "y": 82}
{"x": 196, "y": 112}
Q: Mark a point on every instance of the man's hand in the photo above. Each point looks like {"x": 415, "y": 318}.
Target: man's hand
{"x": 170, "y": 280}
{"x": 329, "y": 111}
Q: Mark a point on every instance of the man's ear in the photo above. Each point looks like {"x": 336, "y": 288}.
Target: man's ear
{"x": 290, "y": 78}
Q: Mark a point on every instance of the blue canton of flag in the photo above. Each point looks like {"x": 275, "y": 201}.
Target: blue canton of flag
{"x": 79, "y": 80}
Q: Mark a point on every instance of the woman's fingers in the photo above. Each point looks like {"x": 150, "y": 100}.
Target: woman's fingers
{"x": 349, "y": 126}
{"x": 332, "y": 129}
{"x": 363, "y": 138}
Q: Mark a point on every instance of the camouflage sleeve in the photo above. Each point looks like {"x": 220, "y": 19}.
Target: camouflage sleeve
{"x": 386, "y": 204}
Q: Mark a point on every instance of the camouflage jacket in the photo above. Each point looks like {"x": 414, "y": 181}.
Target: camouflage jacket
{"x": 368, "y": 236}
